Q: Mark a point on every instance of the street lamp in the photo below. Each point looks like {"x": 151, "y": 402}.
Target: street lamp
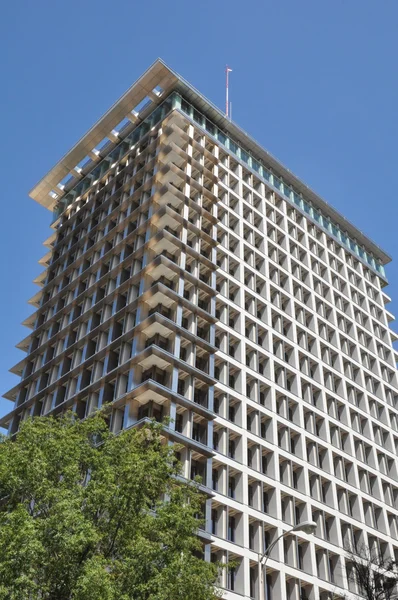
{"x": 304, "y": 527}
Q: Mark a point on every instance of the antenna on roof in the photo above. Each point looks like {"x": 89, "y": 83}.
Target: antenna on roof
{"x": 227, "y": 72}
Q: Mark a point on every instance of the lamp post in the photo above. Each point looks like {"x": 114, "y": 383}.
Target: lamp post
{"x": 305, "y": 527}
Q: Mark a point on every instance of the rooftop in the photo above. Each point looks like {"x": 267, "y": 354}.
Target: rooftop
{"x": 152, "y": 87}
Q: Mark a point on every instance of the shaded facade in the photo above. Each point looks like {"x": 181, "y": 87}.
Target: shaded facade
{"x": 191, "y": 275}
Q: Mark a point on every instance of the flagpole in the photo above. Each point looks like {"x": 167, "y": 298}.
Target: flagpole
{"x": 227, "y": 72}
{"x": 226, "y": 91}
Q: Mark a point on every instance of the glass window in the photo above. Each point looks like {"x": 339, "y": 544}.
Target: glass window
{"x": 352, "y": 245}
{"x": 277, "y": 183}
{"x": 210, "y": 127}
{"x": 96, "y": 172}
{"x": 233, "y": 147}
{"x": 244, "y": 156}
{"x": 297, "y": 199}
{"x": 317, "y": 216}
{"x": 144, "y": 128}
{"x": 221, "y": 137}
{"x": 68, "y": 199}
{"x": 85, "y": 185}
{"x": 266, "y": 174}
{"x": 286, "y": 190}
{"x": 185, "y": 106}
{"x": 168, "y": 103}
{"x": 114, "y": 155}
{"x": 156, "y": 115}
{"x": 380, "y": 269}
{"x": 135, "y": 136}
{"x": 255, "y": 166}
{"x": 370, "y": 260}
{"x": 197, "y": 117}
{"x": 124, "y": 147}
{"x": 78, "y": 188}
{"x": 104, "y": 167}
{"x": 326, "y": 223}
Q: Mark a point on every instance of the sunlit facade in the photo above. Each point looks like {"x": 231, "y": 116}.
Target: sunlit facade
{"x": 191, "y": 275}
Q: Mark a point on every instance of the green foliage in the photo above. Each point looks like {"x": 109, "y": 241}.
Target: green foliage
{"x": 83, "y": 516}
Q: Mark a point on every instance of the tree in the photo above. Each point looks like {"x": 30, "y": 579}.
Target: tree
{"x": 375, "y": 575}
{"x": 88, "y": 515}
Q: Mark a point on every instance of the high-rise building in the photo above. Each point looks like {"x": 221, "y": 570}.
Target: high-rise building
{"x": 189, "y": 274}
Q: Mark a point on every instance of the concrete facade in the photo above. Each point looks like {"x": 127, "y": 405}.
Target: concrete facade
{"x": 191, "y": 275}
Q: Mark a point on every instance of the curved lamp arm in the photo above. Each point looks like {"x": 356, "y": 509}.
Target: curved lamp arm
{"x": 266, "y": 552}
{"x": 306, "y": 527}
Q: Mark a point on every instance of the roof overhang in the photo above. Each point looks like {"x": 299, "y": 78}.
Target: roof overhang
{"x": 160, "y": 75}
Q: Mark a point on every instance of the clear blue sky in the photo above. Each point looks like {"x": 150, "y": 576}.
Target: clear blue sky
{"x": 314, "y": 81}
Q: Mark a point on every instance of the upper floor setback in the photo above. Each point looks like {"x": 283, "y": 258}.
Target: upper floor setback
{"x": 158, "y": 91}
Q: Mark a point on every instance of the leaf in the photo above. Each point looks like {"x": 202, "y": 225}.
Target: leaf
{"x": 88, "y": 514}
